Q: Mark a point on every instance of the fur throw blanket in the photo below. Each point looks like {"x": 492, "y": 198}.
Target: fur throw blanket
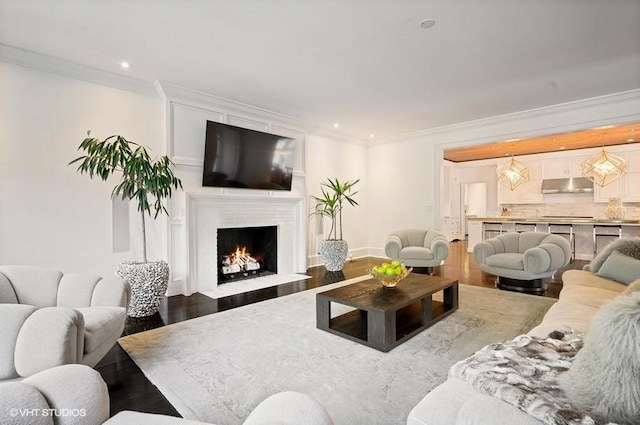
{"x": 524, "y": 372}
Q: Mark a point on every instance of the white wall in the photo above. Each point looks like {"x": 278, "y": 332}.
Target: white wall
{"x": 402, "y": 186}
{"x": 331, "y": 158}
{"x": 49, "y": 214}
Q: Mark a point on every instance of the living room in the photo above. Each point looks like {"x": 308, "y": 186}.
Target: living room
{"x": 52, "y": 95}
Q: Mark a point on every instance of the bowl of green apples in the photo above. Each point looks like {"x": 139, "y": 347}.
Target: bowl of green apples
{"x": 390, "y": 273}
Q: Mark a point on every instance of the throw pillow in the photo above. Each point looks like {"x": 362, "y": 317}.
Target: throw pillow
{"x": 603, "y": 379}
{"x": 632, "y": 287}
{"x": 621, "y": 268}
{"x": 627, "y": 246}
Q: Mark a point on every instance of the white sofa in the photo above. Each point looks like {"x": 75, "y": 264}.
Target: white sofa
{"x": 50, "y": 318}
{"x": 77, "y": 395}
{"x": 456, "y": 403}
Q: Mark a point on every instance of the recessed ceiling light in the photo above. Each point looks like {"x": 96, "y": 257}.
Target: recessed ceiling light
{"x": 604, "y": 127}
{"x": 631, "y": 140}
{"x": 125, "y": 65}
{"x": 514, "y": 140}
{"x": 427, "y": 23}
{"x": 562, "y": 148}
{"x": 336, "y": 125}
{"x": 371, "y": 136}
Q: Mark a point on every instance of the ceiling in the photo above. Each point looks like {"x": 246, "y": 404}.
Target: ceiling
{"x": 594, "y": 137}
{"x": 368, "y": 66}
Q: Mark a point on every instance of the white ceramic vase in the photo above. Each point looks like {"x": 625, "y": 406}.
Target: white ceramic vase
{"x": 334, "y": 254}
{"x": 148, "y": 282}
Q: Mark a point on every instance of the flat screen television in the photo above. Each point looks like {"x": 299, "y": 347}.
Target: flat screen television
{"x": 242, "y": 158}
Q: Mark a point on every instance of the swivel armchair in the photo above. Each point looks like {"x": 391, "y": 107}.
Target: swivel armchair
{"x": 522, "y": 260}
{"x": 417, "y": 247}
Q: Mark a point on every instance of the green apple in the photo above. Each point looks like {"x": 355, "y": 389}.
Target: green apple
{"x": 390, "y": 272}
{"x": 396, "y": 263}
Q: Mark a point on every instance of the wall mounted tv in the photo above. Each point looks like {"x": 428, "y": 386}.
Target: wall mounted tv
{"x": 242, "y": 158}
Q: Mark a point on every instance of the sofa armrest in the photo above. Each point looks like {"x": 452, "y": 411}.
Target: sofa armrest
{"x": 392, "y": 247}
{"x": 111, "y": 292}
{"x": 12, "y": 317}
{"x": 50, "y": 337}
{"x": 440, "y": 249}
{"x": 75, "y": 389}
{"x": 483, "y": 250}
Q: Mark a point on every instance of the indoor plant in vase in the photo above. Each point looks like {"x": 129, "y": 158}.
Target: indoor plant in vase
{"x": 335, "y": 194}
{"x": 148, "y": 181}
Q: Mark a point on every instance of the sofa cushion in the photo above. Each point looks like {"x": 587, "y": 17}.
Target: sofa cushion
{"x": 603, "y": 379}
{"x": 565, "y": 313}
{"x": 585, "y": 278}
{"x": 99, "y": 324}
{"x": 626, "y": 246}
{"x": 620, "y": 267}
{"x": 33, "y": 285}
{"x": 416, "y": 253}
{"x": 632, "y": 287}
{"x": 507, "y": 260}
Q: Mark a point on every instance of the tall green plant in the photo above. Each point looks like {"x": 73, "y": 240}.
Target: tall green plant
{"x": 334, "y": 196}
{"x": 147, "y": 181}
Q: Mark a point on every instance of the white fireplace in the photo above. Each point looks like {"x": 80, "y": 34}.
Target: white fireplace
{"x": 207, "y": 212}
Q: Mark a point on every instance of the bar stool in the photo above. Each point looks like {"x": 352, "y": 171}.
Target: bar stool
{"x": 566, "y": 229}
{"x": 600, "y": 230}
{"x": 526, "y": 227}
{"x": 492, "y": 227}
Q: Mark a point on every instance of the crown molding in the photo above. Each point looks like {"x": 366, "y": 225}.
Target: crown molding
{"x": 53, "y": 65}
{"x": 583, "y": 105}
{"x": 185, "y": 95}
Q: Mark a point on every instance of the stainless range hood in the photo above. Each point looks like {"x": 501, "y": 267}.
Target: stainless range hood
{"x": 570, "y": 185}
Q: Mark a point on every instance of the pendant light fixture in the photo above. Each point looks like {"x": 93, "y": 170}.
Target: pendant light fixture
{"x": 512, "y": 174}
{"x": 603, "y": 167}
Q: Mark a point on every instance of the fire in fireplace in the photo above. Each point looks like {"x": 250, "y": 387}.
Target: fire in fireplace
{"x": 246, "y": 252}
{"x": 239, "y": 261}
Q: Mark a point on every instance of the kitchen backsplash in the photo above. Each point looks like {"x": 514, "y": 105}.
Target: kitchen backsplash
{"x": 577, "y": 209}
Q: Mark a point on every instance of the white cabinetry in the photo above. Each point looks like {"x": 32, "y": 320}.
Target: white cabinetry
{"x": 562, "y": 168}
{"x": 451, "y": 227}
{"x": 475, "y": 234}
{"x": 527, "y": 193}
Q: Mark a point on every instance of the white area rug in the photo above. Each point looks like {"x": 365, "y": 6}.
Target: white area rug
{"x": 217, "y": 368}
{"x": 247, "y": 285}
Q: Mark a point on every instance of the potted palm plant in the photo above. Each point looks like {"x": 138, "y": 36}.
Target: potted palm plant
{"x": 149, "y": 182}
{"x": 335, "y": 195}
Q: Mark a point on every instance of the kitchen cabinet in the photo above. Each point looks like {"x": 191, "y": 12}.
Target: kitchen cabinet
{"x": 451, "y": 227}
{"x": 475, "y": 234}
{"x": 527, "y": 193}
{"x": 563, "y": 168}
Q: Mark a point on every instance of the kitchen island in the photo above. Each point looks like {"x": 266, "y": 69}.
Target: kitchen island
{"x": 587, "y": 235}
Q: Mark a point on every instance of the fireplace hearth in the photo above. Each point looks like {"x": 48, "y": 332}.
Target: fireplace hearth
{"x": 247, "y": 252}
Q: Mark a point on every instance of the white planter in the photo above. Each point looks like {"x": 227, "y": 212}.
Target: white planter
{"x": 334, "y": 254}
{"x": 148, "y": 281}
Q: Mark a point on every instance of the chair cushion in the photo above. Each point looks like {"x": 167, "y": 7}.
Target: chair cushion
{"x": 508, "y": 260}
{"x": 23, "y": 397}
{"x": 100, "y": 323}
{"x": 416, "y": 253}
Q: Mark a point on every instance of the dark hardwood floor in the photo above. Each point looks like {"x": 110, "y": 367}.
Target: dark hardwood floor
{"x": 130, "y": 390}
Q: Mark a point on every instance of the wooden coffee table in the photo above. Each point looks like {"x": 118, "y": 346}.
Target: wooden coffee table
{"x": 386, "y": 317}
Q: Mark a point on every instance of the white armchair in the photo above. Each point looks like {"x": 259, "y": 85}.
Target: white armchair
{"x": 50, "y": 318}
{"x": 521, "y": 260}
{"x": 417, "y": 247}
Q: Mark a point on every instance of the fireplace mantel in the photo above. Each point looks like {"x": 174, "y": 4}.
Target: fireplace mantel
{"x": 206, "y": 211}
